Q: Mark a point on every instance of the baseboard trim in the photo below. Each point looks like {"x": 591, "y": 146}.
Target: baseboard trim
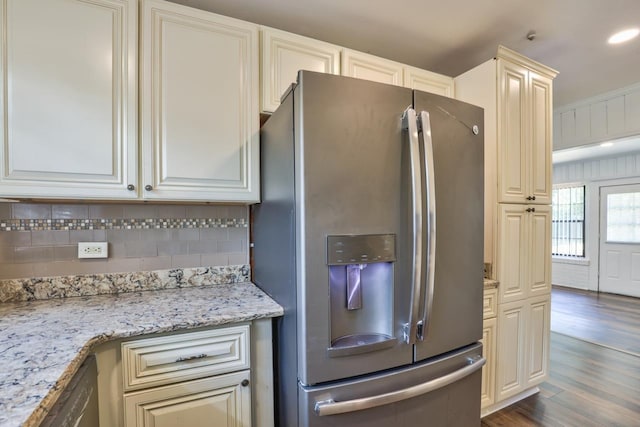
{"x": 508, "y": 401}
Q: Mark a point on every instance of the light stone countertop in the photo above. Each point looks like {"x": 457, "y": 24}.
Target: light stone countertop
{"x": 490, "y": 283}
{"x": 43, "y": 343}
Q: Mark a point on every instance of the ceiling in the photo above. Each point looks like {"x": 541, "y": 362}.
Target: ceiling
{"x": 452, "y": 36}
{"x": 617, "y": 147}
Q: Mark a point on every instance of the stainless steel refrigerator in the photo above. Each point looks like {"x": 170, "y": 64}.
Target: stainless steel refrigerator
{"x": 370, "y": 234}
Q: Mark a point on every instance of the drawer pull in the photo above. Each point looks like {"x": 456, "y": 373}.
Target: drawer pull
{"x": 244, "y": 383}
{"x": 198, "y": 356}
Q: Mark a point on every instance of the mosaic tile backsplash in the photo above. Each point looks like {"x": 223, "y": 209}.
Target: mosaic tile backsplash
{"x": 38, "y": 239}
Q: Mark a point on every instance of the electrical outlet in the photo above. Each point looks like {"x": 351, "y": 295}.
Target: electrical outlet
{"x": 93, "y": 249}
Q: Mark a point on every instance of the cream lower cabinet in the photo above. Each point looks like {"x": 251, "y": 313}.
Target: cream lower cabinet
{"x": 199, "y": 105}
{"x": 522, "y": 345}
{"x": 221, "y": 401}
{"x": 489, "y": 347}
{"x": 221, "y": 376}
{"x": 524, "y": 272}
{"x": 68, "y": 113}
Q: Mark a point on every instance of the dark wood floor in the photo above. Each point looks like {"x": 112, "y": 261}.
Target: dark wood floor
{"x": 589, "y": 384}
{"x": 605, "y": 319}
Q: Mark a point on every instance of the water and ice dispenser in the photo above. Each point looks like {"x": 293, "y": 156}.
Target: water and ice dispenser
{"x": 361, "y": 293}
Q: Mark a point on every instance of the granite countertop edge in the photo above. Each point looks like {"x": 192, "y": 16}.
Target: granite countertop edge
{"x": 490, "y": 283}
{"x": 19, "y": 405}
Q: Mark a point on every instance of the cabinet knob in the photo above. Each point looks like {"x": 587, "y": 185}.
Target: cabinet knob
{"x": 531, "y": 209}
{"x": 244, "y": 383}
{"x": 148, "y": 187}
{"x": 533, "y": 197}
{"x": 131, "y": 187}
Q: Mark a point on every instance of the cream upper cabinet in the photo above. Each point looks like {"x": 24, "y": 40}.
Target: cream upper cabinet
{"x": 512, "y": 132}
{"x": 540, "y": 90}
{"x": 68, "y": 99}
{"x": 199, "y": 105}
{"x": 524, "y": 129}
{"x": 524, "y": 254}
{"x": 427, "y": 81}
{"x": 369, "y": 67}
{"x": 516, "y": 94}
{"x": 283, "y": 55}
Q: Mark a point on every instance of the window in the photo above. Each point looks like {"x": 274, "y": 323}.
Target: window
{"x": 567, "y": 232}
{"x": 623, "y": 217}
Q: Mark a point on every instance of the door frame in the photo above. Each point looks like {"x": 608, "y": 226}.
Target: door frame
{"x": 601, "y": 232}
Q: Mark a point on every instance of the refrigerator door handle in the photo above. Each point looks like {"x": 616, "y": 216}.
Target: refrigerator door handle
{"x": 410, "y": 123}
{"x": 330, "y": 407}
{"x": 430, "y": 194}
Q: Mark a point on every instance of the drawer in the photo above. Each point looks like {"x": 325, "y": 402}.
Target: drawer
{"x": 150, "y": 362}
{"x": 490, "y": 303}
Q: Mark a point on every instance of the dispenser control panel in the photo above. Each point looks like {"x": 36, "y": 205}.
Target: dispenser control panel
{"x": 361, "y": 249}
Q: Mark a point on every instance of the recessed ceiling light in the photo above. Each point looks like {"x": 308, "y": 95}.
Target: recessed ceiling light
{"x": 624, "y": 35}
{"x": 606, "y": 144}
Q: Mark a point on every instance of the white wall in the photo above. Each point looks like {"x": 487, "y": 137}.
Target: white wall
{"x": 593, "y": 173}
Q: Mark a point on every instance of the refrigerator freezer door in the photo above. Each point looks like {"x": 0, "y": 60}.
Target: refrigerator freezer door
{"x": 386, "y": 399}
{"x": 351, "y": 158}
{"x": 454, "y": 309}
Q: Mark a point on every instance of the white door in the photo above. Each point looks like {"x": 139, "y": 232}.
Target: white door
{"x": 620, "y": 240}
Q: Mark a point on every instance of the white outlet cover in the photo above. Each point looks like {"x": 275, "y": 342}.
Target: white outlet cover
{"x": 93, "y": 249}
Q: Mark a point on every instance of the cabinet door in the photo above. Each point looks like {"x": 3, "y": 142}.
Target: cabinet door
{"x": 511, "y": 347}
{"x": 487, "y": 392}
{"x": 538, "y": 331}
{"x": 199, "y": 106}
{"x": 513, "y": 230}
{"x": 539, "y": 174}
{"x": 283, "y": 55}
{"x": 539, "y": 251}
{"x": 68, "y": 98}
{"x": 427, "y": 81}
{"x": 368, "y": 67}
{"x": 512, "y": 133}
{"x": 216, "y": 401}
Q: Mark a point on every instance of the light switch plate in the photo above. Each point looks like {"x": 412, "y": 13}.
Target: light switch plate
{"x": 93, "y": 249}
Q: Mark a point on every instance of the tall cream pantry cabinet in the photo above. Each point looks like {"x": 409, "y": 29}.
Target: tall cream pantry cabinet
{"x": 76, "y": 75}
{"x": 516, "y": 93}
